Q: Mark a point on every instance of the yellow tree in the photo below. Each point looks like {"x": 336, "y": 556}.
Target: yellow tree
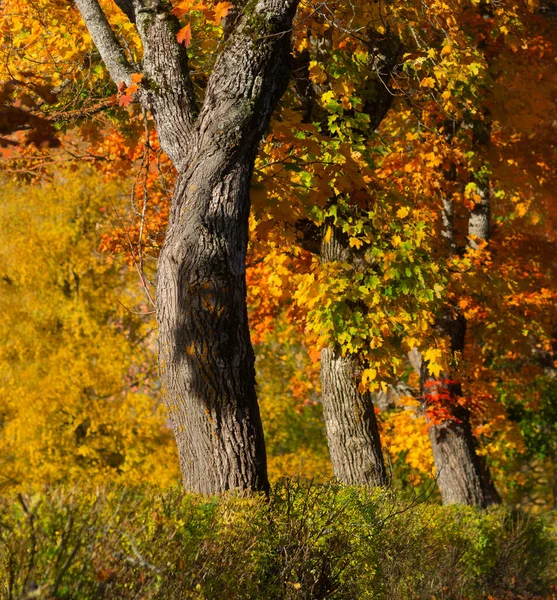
{"x": 76, "y": 375}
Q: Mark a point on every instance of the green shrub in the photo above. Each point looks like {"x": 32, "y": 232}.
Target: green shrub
{"x": 307, "y": 541}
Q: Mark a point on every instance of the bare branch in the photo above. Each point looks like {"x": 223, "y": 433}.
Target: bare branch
{"x": 104, "y": 39}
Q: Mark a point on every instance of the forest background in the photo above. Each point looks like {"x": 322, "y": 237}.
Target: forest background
{"x": 402, "y": 230}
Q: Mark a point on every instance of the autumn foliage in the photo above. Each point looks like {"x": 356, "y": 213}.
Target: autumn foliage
{"x": 399, "y": 122}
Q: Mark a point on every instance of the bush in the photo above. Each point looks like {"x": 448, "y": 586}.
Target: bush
{"x": 307, "y": 542}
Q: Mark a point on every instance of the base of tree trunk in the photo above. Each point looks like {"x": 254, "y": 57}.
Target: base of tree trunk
{"x": 462, "y": 476}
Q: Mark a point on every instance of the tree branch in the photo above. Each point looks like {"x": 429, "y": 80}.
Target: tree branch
{"x": 250, "y": 75}
{"x": 171, "y": 98}
{"x": 105, "y": 40}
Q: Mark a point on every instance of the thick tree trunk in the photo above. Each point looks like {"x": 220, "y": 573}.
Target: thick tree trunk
{"x": 352, "y": 431}
{"x": 206, "y": 357}
{"x": 205, "y": 354}
{"x": 462, "y": 475}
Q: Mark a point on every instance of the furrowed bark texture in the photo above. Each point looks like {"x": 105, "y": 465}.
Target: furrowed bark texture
{"x": 462, "y": 475}
{"x": 352, "y": 431}
{"x": 205, "y": 355}
{"x": 206, "y": 358}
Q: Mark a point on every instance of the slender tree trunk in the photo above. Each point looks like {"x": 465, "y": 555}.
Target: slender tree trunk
{"x": 205, "y": 354}
{"x": 352, "y": 431}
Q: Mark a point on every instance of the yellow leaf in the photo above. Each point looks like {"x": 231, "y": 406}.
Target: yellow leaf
{"x": 434, "y": 369}
{"x": 521, "y": 209}
{"x": 402, "y": 212}
{"x": 427, "y": 82}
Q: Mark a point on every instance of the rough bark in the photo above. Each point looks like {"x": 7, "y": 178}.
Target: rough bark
{"x": 205, "y": 355}
{"x": 352, "y": 431}
{"x": 462, "y": 475}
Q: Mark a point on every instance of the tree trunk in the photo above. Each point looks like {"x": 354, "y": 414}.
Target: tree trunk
{"x": 352, "y": 431}
{"x": 205, "y": 355}
{"x": 462, "y": 475}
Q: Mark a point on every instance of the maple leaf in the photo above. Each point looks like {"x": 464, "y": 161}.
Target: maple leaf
{"x": 125, "y": 99}
{"x": 427, "y": 82}
{"x": 184, "y": 35}
{"x": 220, "y": 11}
{"x": 185, "y": 7}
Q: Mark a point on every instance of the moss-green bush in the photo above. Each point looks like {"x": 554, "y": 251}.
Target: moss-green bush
{"x": 307, "y": 541}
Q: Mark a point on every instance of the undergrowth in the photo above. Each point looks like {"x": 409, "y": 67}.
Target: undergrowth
{"x": 307, "y": 541}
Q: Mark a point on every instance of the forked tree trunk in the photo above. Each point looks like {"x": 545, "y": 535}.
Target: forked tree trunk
{"x": 352, "y": 431}
{"x": 205, "y": 354}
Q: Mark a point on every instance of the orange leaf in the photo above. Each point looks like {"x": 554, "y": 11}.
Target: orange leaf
{"x": 137, "y": 77}
{"x": 184, "y": 35}
{"x": 125, "y": 100}
{"x": 221, "y": 10}
{"x": 185, "y": 7}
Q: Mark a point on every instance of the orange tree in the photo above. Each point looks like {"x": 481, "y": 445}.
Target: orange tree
{"x": 437, "y": 155}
